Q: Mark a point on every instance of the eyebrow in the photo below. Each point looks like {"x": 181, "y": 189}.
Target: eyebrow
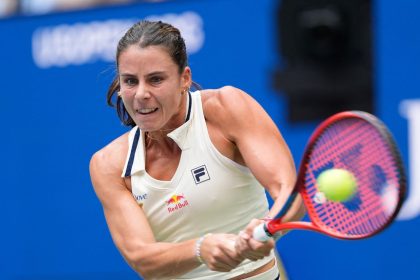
{"x": 126, "y": 75}
{"x": 150, "y": 74}
{"x": 156, "y": 73}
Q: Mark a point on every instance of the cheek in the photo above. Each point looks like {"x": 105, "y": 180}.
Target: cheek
{"x": 172, "y": 103}
{"x": 127, "y": 103}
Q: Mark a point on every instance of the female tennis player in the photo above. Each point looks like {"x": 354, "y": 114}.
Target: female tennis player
{"x": 184, "y": 188}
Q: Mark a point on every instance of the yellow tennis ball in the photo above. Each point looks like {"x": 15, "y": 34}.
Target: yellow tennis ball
{"x": 338, "y": 185}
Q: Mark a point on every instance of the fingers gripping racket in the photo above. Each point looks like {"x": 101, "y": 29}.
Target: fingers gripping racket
{"x": 361, "y": 144}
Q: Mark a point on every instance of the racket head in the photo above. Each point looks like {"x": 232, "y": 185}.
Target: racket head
{"x": 360, "y": 143}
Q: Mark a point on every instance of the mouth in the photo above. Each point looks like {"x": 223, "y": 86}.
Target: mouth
{"x": 146, "y": 111}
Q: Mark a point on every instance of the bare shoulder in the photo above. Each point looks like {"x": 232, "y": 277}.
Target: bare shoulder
{"x": 110, "y": 159}
{"x": 220, "y": 96}
{"x": 225, "y": 102}
{"x": 228, "y": 112}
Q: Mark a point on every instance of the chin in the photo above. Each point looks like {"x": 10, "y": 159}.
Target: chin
{"x": 147, "y": 128}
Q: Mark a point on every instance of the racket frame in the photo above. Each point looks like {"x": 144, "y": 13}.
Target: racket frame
{"x": 275, "y": 225}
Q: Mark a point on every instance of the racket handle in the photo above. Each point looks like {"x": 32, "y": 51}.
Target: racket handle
{"x": 261, "y": 233}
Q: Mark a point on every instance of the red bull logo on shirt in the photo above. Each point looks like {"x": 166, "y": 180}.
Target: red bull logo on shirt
{"x": 176, "y": 202}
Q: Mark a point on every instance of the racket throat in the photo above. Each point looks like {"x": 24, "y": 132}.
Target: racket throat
{"x": 267, "y": 230}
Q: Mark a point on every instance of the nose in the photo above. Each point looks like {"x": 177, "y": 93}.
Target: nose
{"x": 142, "y": 92}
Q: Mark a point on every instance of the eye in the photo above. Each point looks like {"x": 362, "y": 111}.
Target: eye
{"x": 156, "y": 79}
{"x": 130, "y": 81}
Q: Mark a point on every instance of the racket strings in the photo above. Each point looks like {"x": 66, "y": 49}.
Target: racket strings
{"x": 355, "y": 145}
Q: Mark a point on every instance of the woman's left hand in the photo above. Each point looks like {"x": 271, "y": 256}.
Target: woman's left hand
{"x": 249, "y": 248}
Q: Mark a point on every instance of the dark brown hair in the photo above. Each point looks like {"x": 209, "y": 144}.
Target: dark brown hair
{"x": 144, "y": 34}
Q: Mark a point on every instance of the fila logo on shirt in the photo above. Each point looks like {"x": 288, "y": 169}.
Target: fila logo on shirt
{"x": 200, "y": 174}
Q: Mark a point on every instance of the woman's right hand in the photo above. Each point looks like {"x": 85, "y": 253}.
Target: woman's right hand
{"x": 218, "y": 252}
{"x": 252, "y": 249}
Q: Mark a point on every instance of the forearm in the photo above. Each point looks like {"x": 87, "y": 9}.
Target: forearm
{"x": 161, "y": 260}
{"x": 138, "y": 246}
{"x": 296, "y": 210}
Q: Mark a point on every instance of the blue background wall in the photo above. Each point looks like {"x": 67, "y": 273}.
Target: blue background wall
{"x": 54, "y": 118}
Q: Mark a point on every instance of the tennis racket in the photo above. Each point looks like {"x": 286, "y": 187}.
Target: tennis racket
{"x": 360, "y": 143}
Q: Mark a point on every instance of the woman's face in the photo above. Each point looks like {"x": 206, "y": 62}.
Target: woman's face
{"x": 151, "y": 87}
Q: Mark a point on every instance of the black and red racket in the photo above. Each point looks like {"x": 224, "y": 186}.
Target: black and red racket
{"x": 360, "y": 143}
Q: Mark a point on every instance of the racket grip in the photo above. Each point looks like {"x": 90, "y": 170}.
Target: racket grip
{"x": 261, "y": 234}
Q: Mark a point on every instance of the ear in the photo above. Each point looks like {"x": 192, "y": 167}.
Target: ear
{"x": 186, "y": 78}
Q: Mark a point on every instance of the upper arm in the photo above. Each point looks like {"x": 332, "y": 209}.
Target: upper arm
{"x": 126, "y": 220}
{"x": 258, "y": 140}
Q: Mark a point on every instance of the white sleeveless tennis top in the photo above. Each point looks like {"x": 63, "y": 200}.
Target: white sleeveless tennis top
{"x": 208, "y": 193}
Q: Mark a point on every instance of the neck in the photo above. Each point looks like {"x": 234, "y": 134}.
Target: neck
{"x": 158, "y": 135}
{"x": 159, "y": 140}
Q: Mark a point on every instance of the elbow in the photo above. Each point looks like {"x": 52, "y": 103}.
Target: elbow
{"x": 134, "y": 258}
{"x": 143, "y": 265}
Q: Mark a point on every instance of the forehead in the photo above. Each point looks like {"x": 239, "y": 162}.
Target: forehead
{"x": 149, "y": 59}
